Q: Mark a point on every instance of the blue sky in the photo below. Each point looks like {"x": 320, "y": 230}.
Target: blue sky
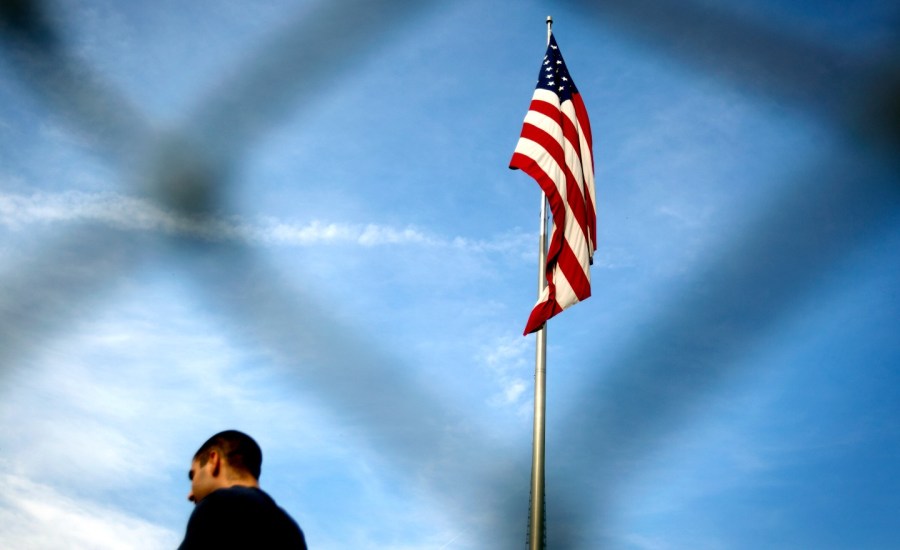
{"x": 296, "y": 219}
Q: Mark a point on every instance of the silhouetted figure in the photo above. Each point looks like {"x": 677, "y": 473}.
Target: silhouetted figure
{"x": 231, "y": 510}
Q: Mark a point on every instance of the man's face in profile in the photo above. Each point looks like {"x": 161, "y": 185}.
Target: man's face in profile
{"x": 203, "y": 479}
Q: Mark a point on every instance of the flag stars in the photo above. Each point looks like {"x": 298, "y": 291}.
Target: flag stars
{"x": 554, "y": 76}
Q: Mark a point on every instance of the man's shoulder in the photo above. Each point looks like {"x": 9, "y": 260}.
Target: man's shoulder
{"x": 252, "y": 509}
{"x": 238, "y": 493}
{"x": 242, "y": 514}
{"x": 238, "y": 504}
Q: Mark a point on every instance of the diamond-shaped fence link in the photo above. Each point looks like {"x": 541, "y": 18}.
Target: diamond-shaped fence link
{"x": 618, "y": 415}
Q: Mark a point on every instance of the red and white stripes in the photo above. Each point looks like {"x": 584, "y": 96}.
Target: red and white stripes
{"x": 555, "y": 148}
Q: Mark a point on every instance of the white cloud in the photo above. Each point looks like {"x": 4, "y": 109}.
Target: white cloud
{"x": 96, "y": 390}
{"x": 514, "y": 389}
{"x": 689, "y": 216}
{"x": 34, "y": 515}
{"x": 507, "y": 360}
{"x": 135, "y": 214}
{"x": 507, "y": 355}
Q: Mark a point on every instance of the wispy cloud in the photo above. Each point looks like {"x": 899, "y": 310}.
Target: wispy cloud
{"x": 18, "y": 211}
{"x": 34, "y": 515}
{"x": 507, "y": 361}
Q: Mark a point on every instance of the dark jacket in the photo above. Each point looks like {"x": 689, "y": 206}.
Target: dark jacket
{"x": 241, "y": 517}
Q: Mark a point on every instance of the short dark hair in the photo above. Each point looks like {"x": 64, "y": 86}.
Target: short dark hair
{"x": 239, "y": 449}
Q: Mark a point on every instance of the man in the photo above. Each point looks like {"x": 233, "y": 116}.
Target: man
{"x": 231, "y": 511}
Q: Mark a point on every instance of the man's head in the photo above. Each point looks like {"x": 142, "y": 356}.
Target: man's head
{"x": 226, "y": 459}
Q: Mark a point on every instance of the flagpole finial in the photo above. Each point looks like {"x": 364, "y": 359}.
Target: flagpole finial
{"x": 549, "y": 20}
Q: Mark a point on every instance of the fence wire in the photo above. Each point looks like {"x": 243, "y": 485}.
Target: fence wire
{"x": 190, "y": 171}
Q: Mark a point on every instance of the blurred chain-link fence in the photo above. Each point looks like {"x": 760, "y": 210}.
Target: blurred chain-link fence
{"x": 189, "y": 171}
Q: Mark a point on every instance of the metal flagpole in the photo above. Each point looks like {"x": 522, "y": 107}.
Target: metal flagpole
{"x": 536, "y": 533}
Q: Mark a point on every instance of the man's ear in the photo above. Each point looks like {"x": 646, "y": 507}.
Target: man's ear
{"x": 216, "y": 461}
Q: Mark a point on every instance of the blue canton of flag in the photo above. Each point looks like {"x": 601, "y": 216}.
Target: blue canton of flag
{"x": 554, "y": 74}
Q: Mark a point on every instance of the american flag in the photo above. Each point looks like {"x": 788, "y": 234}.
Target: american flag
{"x": 555, "y": 150}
